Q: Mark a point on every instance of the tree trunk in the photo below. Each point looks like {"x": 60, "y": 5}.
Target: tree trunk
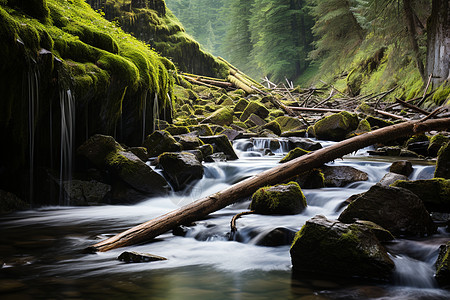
{"x": 438, "y": 43}
{"x": 202, "y": 207}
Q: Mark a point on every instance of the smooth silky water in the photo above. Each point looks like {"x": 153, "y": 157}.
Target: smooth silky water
{"x": 41, "y": 250}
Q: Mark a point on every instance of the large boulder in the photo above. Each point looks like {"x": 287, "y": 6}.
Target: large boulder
{"x": 378, "y": 122}
{"x": 396, "y": 209}
{"x": 435, "y": 193}
{"x": 188, "y": 141}
{"x": 443, "y": 162}
{"x": 329, "y": 247}
{"x": 436, "y": 142}
{"x": 83, "y": 192}
{"x": 336, "y": 127}
{"x": 222, "y": 117}
{"x": 220, "y": 143}
{"x": 180, "y": 168}
{"x": 443, "y": 265}
{"x": 289, "y": 123}
{"x": 161, "y": 141}
{"x": 339, "y": 176}
{"x": 282, "y": 199}
{"x": 254, "y": 108}
{"x": 402, "y": 167}
{"x": 312, "y": 179}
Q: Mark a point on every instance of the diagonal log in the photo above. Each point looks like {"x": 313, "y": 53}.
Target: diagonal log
{"x": 202, "y": 207}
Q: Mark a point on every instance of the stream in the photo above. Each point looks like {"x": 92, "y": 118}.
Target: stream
{"x": 41, "y": 250}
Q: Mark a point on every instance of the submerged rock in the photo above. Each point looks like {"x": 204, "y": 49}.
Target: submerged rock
{"x": 136, "y": 257}
{"x": 333, "y": 248}
{"x": 180, "y": 168}
{"x": 402, "y": 167}
{"x": 395, "y": 209}
{"x": 336, "y": 127}
{"x": 220, "y": 143}
{"x": 435, "y": 193}
{"x": 339, "y": 176}
{"x": 282, "y": 199}
{"x": 443, "y": 265}
{"x": 443, "y": 162}
{"x": 276, "y": 237}
{"x": 159, "y": 142}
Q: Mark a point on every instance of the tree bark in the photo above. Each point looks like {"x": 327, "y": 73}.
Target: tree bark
{"x": 202, "y": 207}
{"x": 438, "y": 43}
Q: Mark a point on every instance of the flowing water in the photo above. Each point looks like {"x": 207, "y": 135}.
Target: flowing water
{"x": 41, "y": 250}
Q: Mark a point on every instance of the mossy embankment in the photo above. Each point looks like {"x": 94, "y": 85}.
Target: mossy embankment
{"x": 112, "y": 83}
{"x": 154, "y": 23}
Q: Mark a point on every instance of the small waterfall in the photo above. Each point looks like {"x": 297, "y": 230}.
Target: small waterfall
{"x": 67, "y": 105}
{"x": 413, "y": 273}
{"x": 33, "y": 111}
{"x": 155, "y": 111}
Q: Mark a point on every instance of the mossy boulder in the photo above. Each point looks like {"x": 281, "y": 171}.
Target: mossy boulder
{"x": 294, "y": 153}
{"x": 402, "y": 167}
{"x": 435, "y": 193}
{"x": 336, "y": 127}
{"x": 443, "y": 265}
{"x": 363, "y": 127}
{"x": 254, "y": 108}
{"x": 180, "y": 168}
{"x": 389, "y": 178}
{"x": 436, "y": 142}
{"x": 304, "y": 143}
{"x": 340, "y": 176}
{"x": 220, "y": 143}
{"x": 329, "y": 247}
{"x": 282, "y": 199}
{"x": 161, "y": 141}
{"x": 188, "y": 141}
{"x": 312, "y": 179}
{"x": 378, "y": 122}
{"x": 97, "y": 147}
{"x": 202, "y": 129}
{"x": 222, "y": 117}
{"x": 396, "y": 209}
{"x": 273, "y": 126}
{"x": 289, "y": 123}
{"x": 443, "y": 162}
{"x": 176, "y": 130}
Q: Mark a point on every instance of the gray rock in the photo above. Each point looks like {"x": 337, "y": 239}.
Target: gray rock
{"x": 159, "y": 142}
{"x": 220, "y": 143}
{"x": 402, "y": 167}
{"x": 180, "y": 168}
{"x": 339, "y": 176}
{"x": 329, "y": 247}
{"x": 135, "y": 257}
{"x": 390, "y": 178}
{"x": 81, "y": 192}
{"x": 304, "y": 143}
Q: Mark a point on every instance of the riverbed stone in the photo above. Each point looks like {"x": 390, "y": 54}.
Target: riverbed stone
{"x": 330, "y": 247}
{"x": 220, "y": 143}
{"x": 202, "y": 129}
{"x": 304, "y": 143}
{"x": 222, "y": 117}
{"x": 136, "y": 257}
{"x": 282, "y": 199}
{"x": 312, "y": 179}
{"x": 378, "y": 122}
{"x": 443, "y": 265}
{"x": 273, "y": 126}
{"x": 161, "y": 141}
{"x": 435, "y": 193}
{"x": 396, "y": 209}
{"x": 180, "y": 168}
{"x": 336, "y": 126}
{"x": 389, "y": 178}
{"x": 188, "y": 141}
{"x": 276, "y": 237}
{"x": 402, "y": 167}
{"x": 97, "y": 147}
{"x": 340, "y": 176}
{"x": 83, "y": 192}
{"x": 436, "y": 142}
{"x": 254, "y": 108}
{"x": 289, "y": 123}
{"x": 140, "y": 152}
{"x": 443, "y": 162}
{"x": 241, "y": 105}
{"x": 293, "y": 154}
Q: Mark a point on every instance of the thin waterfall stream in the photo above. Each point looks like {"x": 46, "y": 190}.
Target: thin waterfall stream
{"x": 41, "y": 255}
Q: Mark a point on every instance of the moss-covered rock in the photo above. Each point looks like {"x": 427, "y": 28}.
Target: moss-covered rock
{"x": 220, "y": 143}
{"x": 222, "y": 117}
{"x": 336, "y": 127}
{"x": 254, "y": 108}
{"x": 443, "y": 162}
{"x": 283, "y": 199}
{"x": 443, "y": 265}
{"x": 378, "y": 122}
{"x": 304, "y": 143}
{"x": 332, "y": 248}
{"x": 396, "y": 209}
{"x": 294, "y": 153}
{"x": 339, "y": 176}
{"x": 181, "y": 169}
{"x": 176, "y": 130}
{"x": 289, "y": 123}
{"x": 436, "y": 142}
{"x": 435, "y": 193}
{"x": 161, "y": 141}
{"x": 202, "y": 129}
{"x": 188, "y": 142}
{"x": 273, "y": 126}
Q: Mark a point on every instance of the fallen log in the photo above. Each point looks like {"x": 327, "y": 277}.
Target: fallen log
{"x": 239, "y": 84}
{"x": 203, "y": 207}
{"x": 413, "y": 107}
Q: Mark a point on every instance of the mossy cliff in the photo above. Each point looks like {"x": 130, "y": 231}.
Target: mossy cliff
{"x": 152, "y": 22}
{"x": 67, "y": 73}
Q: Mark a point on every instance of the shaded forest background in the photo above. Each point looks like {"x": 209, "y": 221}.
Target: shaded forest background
{"x": 359, "y": 45}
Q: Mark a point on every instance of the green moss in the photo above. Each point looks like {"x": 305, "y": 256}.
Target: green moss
{"x": 294, "y": 153}
{"x": 336, "y": 127}
{"x": 442, "y": 94}
{"x": 176, "y": 130}
{"x": 273, "y": 126}
{"x": 280, "y": 199}
{"x": 223, "y": 116}
{"x": 288, "y": 123}
{"x": 203, "y": 129}
{"x": 254, "y": 108}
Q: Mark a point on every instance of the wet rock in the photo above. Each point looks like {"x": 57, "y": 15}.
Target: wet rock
{"x": 216, "y": 157}
{"x": 177, "y": 130}
{"x": 333, "y": 248}
{"x": 386, "y": 151}
{"x": 98, "y": 147}
{"x": 10, "y": 203}
{"x": 140, "y": 152}
{"x": 294, "y": 133}
{"x": 378, "y": 122}
{"x": 273, "y": 126}
{"x": 81, "y": 192}
{"x": 443, "y": 162}
{"x": 396, "y": 209}
{"x": 159, "y": 142}
{"x": 188, "y": 142}
{"x": 305, "y": 143}
{"x": 435, "y": 193}
{"x": 222, "y": 117}
{"x": 293, "y": 154}
{"x": 443, "y": 265}
{"x": 436, "y": 142}
{"x": 180, "y": 168}
{"x": 289, "y": 123}
{"x": 402, "y": 167}
{"x": 202, "y": 129}
{"x": 336, "y": 127}
{"x": 312, "y": 179}
{"x": 409, "y": 153}
{"x": 382, "y": 234}
{"x": 257, "y": 120}
{"x": 220, "y": 143}
{"x": 276, "y": 237}
{"x": 339, "y": 176}
{"x": 282, "y": 199}
{"x": 241, "y": 105}
{"x": 390, "y": 178}
{"x": 420, "y": 148}
{"x": 231, "y": 134}
{"x": 254, "y": 108}
{"x": 136, "y": 257}
{"x": 206, "y": 150}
